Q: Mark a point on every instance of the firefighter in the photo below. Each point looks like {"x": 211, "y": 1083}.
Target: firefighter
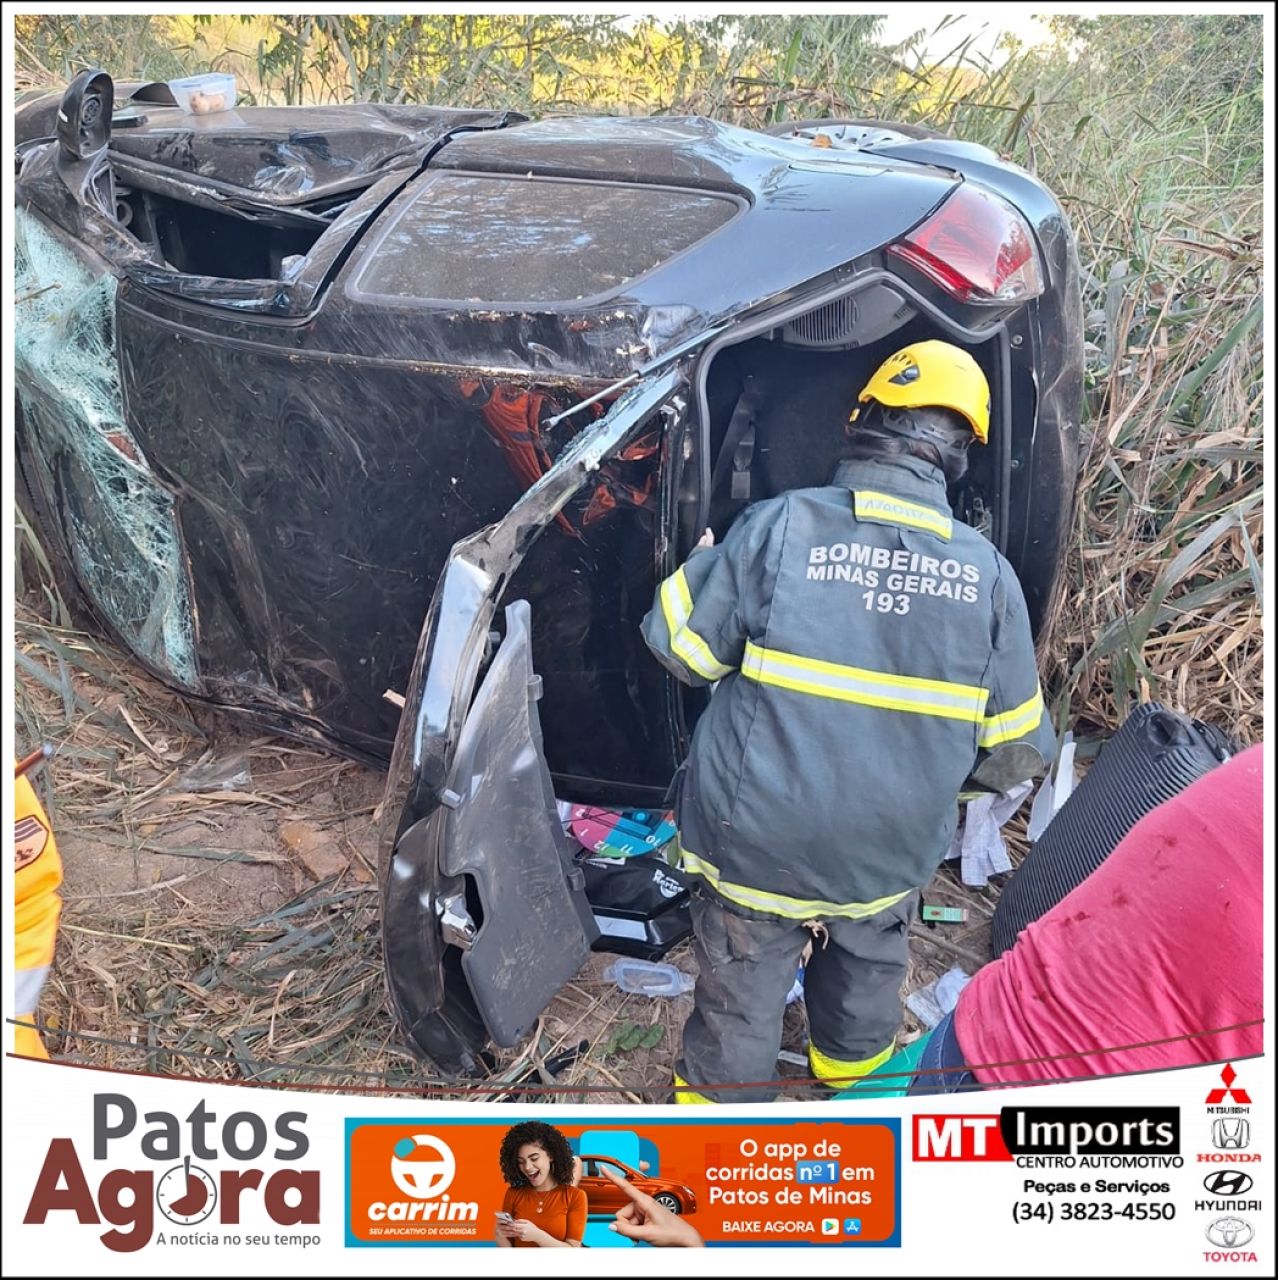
{"x": 36, "y": 908}
{"x": 869, "y": 652}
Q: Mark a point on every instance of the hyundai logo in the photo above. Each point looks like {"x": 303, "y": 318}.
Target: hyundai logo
{"x": 1230, "y": 1233}
{"x": 1228, "y": 1182}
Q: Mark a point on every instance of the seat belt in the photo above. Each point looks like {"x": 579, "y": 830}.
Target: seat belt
{"x": 736, "y": 453}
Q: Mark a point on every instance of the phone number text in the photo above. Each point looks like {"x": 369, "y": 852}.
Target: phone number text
{"x": 1091, "y": 1211}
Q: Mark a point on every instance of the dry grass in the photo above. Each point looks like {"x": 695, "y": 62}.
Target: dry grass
{"x": 232, "y": 934}
{"x": 1162, "y": 595}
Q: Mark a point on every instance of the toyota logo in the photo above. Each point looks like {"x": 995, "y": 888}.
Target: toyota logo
{"x": 1228, "y": 1182}
{"x": 1230, "y": 1233}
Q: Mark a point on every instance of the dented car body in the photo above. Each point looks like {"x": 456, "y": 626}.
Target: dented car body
{"x": 277, "y": 366}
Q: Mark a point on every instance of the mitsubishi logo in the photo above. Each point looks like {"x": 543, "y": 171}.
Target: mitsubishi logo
{"x": 1228, "y": 1182}
{"x": 1228, "y": 1075}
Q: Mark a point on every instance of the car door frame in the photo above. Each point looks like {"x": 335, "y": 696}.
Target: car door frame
{"x": 427, "y": 922}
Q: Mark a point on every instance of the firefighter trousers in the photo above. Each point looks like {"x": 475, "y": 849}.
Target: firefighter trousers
{"x": 852, "y": 988}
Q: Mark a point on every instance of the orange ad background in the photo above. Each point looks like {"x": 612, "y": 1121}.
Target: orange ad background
{"x": 687, "y": 1149}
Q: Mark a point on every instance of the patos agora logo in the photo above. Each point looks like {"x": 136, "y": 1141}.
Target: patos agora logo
{"x": 199, "y": 1170}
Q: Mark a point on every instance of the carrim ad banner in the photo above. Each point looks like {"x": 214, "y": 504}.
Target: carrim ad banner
{"x": 118, "y": 1175}
{"x": 779, "y": 1181}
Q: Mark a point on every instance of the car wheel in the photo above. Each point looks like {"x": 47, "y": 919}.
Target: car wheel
{"x": 668, "y": 1201}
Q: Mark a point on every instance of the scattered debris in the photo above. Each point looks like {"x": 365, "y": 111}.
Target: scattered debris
{"x": 185, "y": 918}
{"x": 943, "y": 915}
{"x": 931, "y": 1003}
{"x": 230, "y": 773}
{"x": 630, "y": 1036}
{"x": 979, "y": 841}
{"x": 643, "y": 978}
{"x": 1057, "y": 787}
{"x": 796, "y": 991}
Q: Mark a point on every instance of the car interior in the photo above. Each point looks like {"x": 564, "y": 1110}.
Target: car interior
{"x": 779, "y": 403}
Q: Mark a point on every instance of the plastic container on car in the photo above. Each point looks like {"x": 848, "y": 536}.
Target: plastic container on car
{"x": 206, "y": 94}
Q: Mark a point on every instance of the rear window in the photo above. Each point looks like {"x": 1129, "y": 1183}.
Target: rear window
{"x": 470, "y": 238}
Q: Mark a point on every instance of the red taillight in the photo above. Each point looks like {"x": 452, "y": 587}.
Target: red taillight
{"x": 976, "y": 247}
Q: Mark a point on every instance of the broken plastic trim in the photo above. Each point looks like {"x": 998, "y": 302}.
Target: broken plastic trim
{"x": 445, "y": 1026}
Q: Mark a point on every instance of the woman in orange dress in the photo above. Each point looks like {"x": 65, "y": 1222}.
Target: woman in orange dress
{"x": 542, "y": 1209}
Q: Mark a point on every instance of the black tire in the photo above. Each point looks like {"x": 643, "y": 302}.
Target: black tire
{"x": 916, "y": 131}
{"x": 668, "y": 1201}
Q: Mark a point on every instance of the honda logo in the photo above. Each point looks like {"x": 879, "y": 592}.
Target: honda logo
{"x": 1228, "y": 1182}
{"x": 1230, "y": 1134}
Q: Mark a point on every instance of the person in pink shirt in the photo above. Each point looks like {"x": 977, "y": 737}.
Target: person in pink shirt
{"x": 1154, "y": 961}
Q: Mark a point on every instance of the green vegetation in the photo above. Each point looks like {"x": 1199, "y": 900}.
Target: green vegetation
{"x": 1147, "y": 127}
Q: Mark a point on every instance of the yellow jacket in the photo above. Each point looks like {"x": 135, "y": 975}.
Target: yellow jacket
{"x": 37, "y": 875}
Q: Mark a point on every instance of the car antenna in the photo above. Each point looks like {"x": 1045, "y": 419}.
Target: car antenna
{"x": 642, "y": 372}
{"x": 599, "y": 395}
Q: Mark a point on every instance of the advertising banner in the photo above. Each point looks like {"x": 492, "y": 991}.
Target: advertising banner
{"x": 809, "y": 1182}
{"x": 127, "y": 1176}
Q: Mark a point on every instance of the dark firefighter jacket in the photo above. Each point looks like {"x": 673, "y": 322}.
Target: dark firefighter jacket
{"x": 870, "y": 650}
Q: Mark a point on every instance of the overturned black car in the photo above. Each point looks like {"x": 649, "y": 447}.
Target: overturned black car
{"x": 276, "y": 366}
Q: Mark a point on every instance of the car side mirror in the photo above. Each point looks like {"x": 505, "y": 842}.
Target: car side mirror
{"x": 84, "y": 116}
{"x": 83, "y": 132}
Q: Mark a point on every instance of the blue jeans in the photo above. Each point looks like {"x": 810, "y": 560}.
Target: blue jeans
{"x": 941, "y": 1067}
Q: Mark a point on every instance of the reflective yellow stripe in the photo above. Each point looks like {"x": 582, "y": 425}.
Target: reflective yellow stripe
{"x": 964, "y": 702}
{"x": 835, "y": 1072}
{"x": 1012, "y": 724}
{"x": 778, "y": 904}
{"x": 685, "y": 644}
{"x": 870, "y": 505}
{"x": 687, "y": 1097}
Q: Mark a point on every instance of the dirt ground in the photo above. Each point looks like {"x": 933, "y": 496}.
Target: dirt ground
{"x": 221, "y": 910}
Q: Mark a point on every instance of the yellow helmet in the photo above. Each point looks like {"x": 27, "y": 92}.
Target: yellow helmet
{"x": 932, "y": 373}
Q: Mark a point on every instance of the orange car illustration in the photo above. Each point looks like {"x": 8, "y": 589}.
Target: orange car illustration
{"x": 603, "y": 1197}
